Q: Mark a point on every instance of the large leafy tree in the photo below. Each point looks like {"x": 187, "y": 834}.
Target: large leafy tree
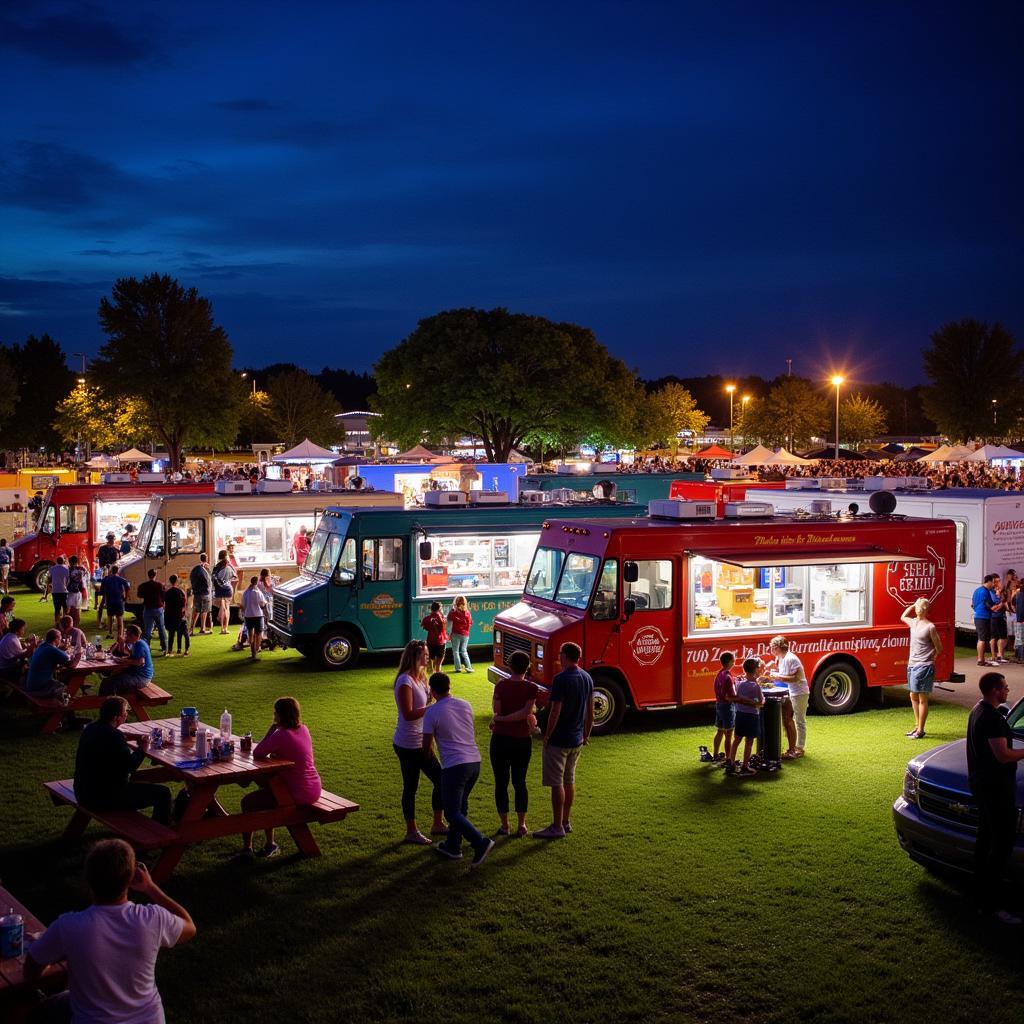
{"x": 301, "y": 408}
{"x": 666, "y": 413}
{"x": 503, "y": 377}
{"x": 164, "y": 349}
{"x": 86, "y": 415}
{"x": 968, "y": 364}
{"x": 793, "y": 413}
{"x": 860, "y": 419}
{"x": 41, "y": 379}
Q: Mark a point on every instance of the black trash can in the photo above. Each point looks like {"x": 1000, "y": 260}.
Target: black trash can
{"x": 770, "y": 742}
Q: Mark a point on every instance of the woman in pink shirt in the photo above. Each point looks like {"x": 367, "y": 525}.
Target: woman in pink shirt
{"x": 288, "y": 739}
{"x": 460, "y": 620}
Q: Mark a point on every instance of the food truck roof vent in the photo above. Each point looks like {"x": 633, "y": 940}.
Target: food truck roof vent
{"x": 116, "y": 478}
{"x": 881, "y": 483}
{"x": 803, "y": 483}
{"x": 488, "y": 497}
{"x": 833, "y": 483}
{"x": 730, "y": 473}
{"x": 670, "y": 508}
{"x": 533, "y": 497}
{"x": 273, "y": 486}
{"x": 443, "y": 498}
{"x": 233, "y": 487}
{"x": 748, "y": 509}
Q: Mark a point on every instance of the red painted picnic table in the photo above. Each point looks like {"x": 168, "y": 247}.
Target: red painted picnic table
{"x": 12, "y": 970}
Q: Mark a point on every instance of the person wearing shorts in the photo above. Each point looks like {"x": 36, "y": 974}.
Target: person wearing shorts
{"x": 254, "y": 608}
{"x": 59, "y": 574}
{"x": 982, "y": 601}
{"x": 114, "y": 587}
{"x": 725, "y": 707}
{"x": 925, "y": 647}
{"x": 749, "y": 698}
{"x": 569, "y": 725}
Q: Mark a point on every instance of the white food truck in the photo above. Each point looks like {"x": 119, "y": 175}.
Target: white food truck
{"x": 989, "y": 523}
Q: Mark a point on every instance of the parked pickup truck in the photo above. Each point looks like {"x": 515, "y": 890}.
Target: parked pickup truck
{"x": 936, "y": 819}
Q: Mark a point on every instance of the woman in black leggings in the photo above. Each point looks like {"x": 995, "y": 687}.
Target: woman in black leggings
{"x": 412, "y": 695}
{"x": 511, "y": 745}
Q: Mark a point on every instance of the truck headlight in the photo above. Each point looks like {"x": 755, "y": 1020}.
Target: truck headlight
{"x": 497, "y": 636}
{"x": 540, "y": 652}
{"x": 910, "y": 786}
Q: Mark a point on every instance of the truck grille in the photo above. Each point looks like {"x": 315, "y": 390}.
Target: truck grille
{"x": 947, "y": 805}
{"x": 511, "y": 643}
{"x": 282, "y": 609}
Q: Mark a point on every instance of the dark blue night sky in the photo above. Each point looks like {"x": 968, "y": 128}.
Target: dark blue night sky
{"x": 710, "y": 187}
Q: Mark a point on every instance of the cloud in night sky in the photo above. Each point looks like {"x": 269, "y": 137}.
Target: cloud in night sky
{"x": 709, "y": 189}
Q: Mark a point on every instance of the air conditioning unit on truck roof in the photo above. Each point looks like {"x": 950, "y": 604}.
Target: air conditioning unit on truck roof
{"x": 441, "y": 498}
{"x": 670, "y": 508}
{"x": 532, "y": 497}
{"x": 730, "y": 473}
{"x": 803, "y": 483}
{"x": 881, "y": 483}
{"x": 748, "y": 509}
{"x": 488, "y": 497}
{"x": 233, "y": 487}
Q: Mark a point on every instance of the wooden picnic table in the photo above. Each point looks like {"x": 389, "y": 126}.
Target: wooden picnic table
{"x": 205, "y": 817}
{"x": 13, "y": 986}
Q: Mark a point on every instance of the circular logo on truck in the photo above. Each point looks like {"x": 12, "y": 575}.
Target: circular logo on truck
{"x": 648, "y": 644}
{"x": 907, "y": 581}
{"x": 382, "y": 605}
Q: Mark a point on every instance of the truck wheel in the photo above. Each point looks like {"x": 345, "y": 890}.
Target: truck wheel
{"x": 609, "y": 705}
{"x": 339, "y": 649}
{"x": 40, "y": 577}
{"x": 836, "y": 688}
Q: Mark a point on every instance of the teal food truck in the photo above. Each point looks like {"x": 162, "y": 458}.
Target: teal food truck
{"x": 371, "y": 574}
{"x": 629, "y": 487}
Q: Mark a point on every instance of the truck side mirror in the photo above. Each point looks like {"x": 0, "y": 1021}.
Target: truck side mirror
{"x": 628, "y": 607}
{"x": 630, "y": 572}
{"x": 426, "y": 551}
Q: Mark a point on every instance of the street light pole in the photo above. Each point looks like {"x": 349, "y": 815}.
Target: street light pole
{"x": 743, "y": 416}
{"x": 837, "y": 381}
{"x": 995, "y": 403}
{"x": 731, "y": 388}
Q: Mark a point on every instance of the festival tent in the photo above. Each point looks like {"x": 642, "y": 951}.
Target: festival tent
{"x": 306, "y": 452}
{"x": 715, "y": 451}
{"x": 419, "y": 454}
{"x": 758, "y": 456}
{"x": 134, "y": 455}
{"x": 785, "y": 458}
{"x": 911, "y": 455}
{"x": 830, "y": 453}
{"x": 994, "y": 453}
{"x": 102, "y": 462}
{"x": 947, "y": 453}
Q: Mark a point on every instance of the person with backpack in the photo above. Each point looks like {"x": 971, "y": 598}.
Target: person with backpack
{"x": 78, "y": 595}
{"x": 201, "y": 585}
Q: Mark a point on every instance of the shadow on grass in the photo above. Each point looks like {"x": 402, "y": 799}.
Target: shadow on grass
{"x": 948, "y": 899}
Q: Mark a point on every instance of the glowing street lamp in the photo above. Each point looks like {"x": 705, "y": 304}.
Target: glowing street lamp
{"x": 995, "y": 403}
{"x": 731, "y": 388}
{"x": 837, "y": 381}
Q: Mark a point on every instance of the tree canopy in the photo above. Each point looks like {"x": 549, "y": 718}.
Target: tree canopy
{"x": 41, "y": 378}
{"x": 87, "y": 416}
{"x": 505, "y": 378}
{"x": 164, "y": 349}
{"x": 301, "y": 408}
{"x": 860, "y": 419}
{"x": 969, "y": 363}
{"x": 793, "y": 413}
{"x": 666, "y": 413}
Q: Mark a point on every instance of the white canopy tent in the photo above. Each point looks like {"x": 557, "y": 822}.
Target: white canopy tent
{"x": 994, "y": 453}
{"x": 102, "y": 462}
{"x": 758, "y": 456}
{"x": 307, "y": 453}
{"x": 418, "y": 453}
{"x": 787, "y": 458}
{"x": 947, "y": 453}
{"x": 134, "y": 455}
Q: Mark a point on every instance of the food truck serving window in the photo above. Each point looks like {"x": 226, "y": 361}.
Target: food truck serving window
{"x": 263, "y": 540}
{"x": 475, "y": 562}
{"x": 748, "y": 593}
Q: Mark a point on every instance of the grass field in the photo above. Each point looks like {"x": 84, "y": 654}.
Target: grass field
{"x": 682, "y": 895}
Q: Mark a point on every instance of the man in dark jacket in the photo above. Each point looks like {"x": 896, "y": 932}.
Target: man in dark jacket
{"x": 105, "y": 762}
{"x": 108, "y": 553}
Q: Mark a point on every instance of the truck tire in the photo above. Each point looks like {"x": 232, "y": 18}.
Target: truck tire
{"x": 40, "y": 576}
{"x": 609, "y": 705}
{"x": 338, "y": 649}
{"x": 836, "y": 688}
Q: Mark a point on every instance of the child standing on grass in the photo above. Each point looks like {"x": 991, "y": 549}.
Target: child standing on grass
{"x": 725, "y": 707}
{"x": 437, "y": 635}
{"x": 749, "y": 698}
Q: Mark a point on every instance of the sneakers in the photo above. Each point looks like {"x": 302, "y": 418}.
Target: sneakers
{"x": 481, "y": 855}
{"x": 447, "y": 851}
{"x": 551, "y": 832}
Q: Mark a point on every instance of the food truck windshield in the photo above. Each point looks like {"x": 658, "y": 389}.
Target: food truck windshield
{"x": 566, "y": 578}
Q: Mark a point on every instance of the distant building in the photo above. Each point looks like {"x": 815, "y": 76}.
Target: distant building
{"x": 357, "y": 430}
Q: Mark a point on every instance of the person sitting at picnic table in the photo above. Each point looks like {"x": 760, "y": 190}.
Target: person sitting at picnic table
{"x": 71, "y": 637}
{"x": 6, "y": 611}
{"x": 105, "y": 762}
{"x": 46, "y": 659}
{"x": 13, "y": 653}
{"x": 110, "y": 947}
{"x": 137, "y": 669}
{"x": 287, "y": 738}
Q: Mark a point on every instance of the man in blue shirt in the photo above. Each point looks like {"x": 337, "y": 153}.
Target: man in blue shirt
{"x": 569, "y": 724}
{"x": 983, "y": 601}
{"x": 137, "y": 672}
{"x": 42, "y": 667}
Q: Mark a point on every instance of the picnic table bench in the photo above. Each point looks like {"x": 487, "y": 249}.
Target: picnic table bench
{"x": 204, "y": 817}
{"x": 13, "y": 987}
{"x": 56, "y": 710}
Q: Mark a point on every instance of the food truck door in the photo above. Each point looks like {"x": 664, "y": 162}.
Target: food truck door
{"x": 383, "y": 593}
{"x": 650, "y": 644}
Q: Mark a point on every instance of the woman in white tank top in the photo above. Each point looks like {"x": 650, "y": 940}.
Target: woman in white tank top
{"x": 925, "y": 647}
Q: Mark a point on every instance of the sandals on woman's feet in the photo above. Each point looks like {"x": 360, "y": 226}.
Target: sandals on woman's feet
{"x": 417, "y": 839}
{"x": 502, "y": 830}
{"x": 522, "y": 832}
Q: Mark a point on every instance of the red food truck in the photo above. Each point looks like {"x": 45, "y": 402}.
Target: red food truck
{"x": 76, "y": 518}
{"x": 654, "y": 602}
{"x": 722, "y": 491}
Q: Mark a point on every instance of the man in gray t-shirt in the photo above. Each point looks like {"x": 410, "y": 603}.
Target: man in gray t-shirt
{"x": 925, "y": 647}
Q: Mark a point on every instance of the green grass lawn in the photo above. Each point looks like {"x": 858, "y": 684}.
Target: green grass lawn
{"x": 681, "y": 895}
